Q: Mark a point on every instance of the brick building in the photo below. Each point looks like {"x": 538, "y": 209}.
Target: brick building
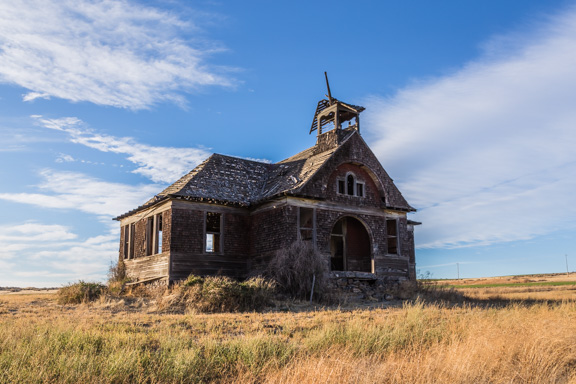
{"x": 230, "y": 215}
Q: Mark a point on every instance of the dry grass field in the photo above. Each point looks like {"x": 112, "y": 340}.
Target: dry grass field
{"x": 491, "y": 334}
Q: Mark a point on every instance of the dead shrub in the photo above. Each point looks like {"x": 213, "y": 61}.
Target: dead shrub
{"x": 80, "y": 292}
{"x": 117, "y": 278}
{"x": 213, "y": 294}
{"x": 296, "y": 268}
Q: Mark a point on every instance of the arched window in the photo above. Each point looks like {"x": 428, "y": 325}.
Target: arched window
{"x": 350, "y": 186}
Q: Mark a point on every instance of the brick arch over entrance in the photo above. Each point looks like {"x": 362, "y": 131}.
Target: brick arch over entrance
{"x": 350, "y": 248}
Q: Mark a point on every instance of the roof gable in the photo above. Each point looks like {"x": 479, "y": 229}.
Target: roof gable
{"x": 234, "y": 181}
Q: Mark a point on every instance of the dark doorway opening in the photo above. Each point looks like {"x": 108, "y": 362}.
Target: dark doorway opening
{"x": 350, "y": 246}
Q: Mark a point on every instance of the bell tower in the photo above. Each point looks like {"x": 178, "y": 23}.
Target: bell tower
{"x": 332, "y": 114}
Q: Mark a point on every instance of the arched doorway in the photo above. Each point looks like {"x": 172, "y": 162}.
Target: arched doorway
{"x": 350, "y": 246}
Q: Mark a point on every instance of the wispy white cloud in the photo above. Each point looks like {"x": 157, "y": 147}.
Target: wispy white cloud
{"x": 77, "y": 191}
{"x": 487, "y": 153}
{"x": 34, "y": 232}
{"x": 119, "y": 53}
{"x": 53, "y": 254}
{"x": 159, "y": 164}
{"x": 64, "y": 158}
{"x": 31, "y": 96}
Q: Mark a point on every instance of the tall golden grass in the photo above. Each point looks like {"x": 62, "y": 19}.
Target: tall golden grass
{"x": 126, "y": 341}
{"x": 497, "y": 335}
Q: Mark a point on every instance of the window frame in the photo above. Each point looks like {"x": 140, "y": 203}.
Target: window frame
{"x": 215, "y": 234}
{"x": 394, "y": 236}
{"x": 128, "y": 242}
{"x": 302, "y": 228}
{"x": 343, "y": 187}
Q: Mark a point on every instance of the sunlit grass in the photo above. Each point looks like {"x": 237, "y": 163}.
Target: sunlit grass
{"x": 123, "y": 341}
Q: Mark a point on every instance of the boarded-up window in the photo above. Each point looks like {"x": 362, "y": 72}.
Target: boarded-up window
{"x": 213, "y": 232}
{"x": 392, "y": 232}
{"x": 306, "y": 223}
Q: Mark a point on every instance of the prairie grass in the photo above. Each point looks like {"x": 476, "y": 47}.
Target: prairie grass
{"x": 415, "y": 342}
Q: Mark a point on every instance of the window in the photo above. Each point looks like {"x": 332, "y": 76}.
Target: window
{"x": 350, "y": 186}
{"x": 392, "y": 232}
{"x": 306, "y": 223}
{"x": 213, "y": 232}
{"x": 128, "y": 249}
{"x": 158, "y": 234}
{"x": 154, "y": 235}
{"x": 149, "y": 236}
{"x": 341, "y": 186}
{"x": 360, "y": 189}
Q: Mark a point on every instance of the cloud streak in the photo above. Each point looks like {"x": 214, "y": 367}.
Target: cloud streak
{"x": 487, "y": 153}
{"x": 159, "y": 164}
{"x": 52, "y": 254}
{"x": 76, "y": 191}
{"x": 116, "y": 52}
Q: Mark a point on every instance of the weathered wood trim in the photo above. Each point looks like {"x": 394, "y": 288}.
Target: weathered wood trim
{"x": 165, "y": 206}
{"x": 200, "y": 206}
{"x": 329, "y": 206}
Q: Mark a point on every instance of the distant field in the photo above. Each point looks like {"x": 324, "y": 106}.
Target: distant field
{"x": 499, "y": 330}
{"x": 553, "y": 287}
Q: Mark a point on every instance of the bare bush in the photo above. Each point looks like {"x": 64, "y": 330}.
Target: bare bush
{"x": 80, "y": 292}
{"x": 219, "y": 294}
{"x": 117, "y": 278}
{"x": 297, "y": 268}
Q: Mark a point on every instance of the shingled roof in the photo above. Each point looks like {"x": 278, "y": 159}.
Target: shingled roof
{"x": 235, "y": 181}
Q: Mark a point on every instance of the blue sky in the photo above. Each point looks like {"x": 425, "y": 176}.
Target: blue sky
{"x": 470, "y": 107}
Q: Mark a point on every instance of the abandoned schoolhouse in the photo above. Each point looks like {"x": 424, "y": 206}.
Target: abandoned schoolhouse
{"x": 230, "y": 215}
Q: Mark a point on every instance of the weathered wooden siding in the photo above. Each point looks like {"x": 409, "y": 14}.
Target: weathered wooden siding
{"x": 272, "y": 228}
{"x": 148, "y": 267}
{"x": 188, "y": 241}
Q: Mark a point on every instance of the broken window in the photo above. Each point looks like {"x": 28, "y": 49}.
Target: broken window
{"x": 158, "y": 233}
{"x": 213, "y": 232}
{"x": 392, "y": 232}
{"x": 306, "y": 223}
{"x": 154, "y": 235}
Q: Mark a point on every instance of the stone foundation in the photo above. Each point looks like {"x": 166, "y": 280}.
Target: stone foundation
{"x": 355, "y": 286}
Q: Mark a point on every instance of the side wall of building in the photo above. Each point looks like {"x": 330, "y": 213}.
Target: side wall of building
{"x": 189, "y": 252}
{"x": 273, "y": 227}
{"x": 137, "y": 240}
